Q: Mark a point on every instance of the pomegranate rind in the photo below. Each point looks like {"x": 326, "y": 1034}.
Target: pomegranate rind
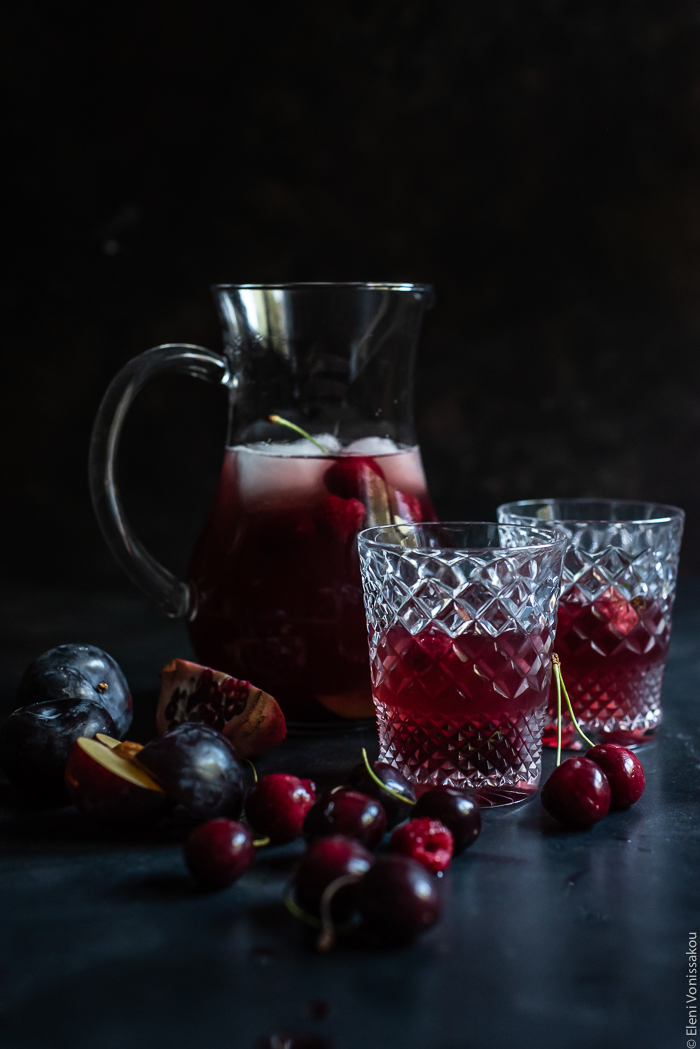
{"x": 250, "y": 718}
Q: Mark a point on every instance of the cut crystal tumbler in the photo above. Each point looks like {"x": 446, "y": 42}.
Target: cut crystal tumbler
{"x": 461, "y": 623}
{"x": 614, "y": 622}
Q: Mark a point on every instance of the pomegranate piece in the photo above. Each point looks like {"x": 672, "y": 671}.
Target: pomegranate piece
{"x": 277, "y": 805}
{"x": 344, "y": 517}
{"x": 624, "y": 771}
{"x": 218, "y": 852}
{"x": 577, "y": 793}
{"x": 247, "y": 716}
{"x": 350, "y": 476}
{"x": 426, "y": 841}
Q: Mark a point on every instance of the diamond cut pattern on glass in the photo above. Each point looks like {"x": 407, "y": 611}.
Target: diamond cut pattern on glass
{"x": 626, "y": 700}
{"x": 614, "y": 623}
{"x": 460, "y": 657}
{"x": 429, "y": 750}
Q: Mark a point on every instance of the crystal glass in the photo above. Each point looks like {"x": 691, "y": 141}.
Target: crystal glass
{"x": 461, "y": 621}
{"x": 614, "y": 622}
{"x": 273, "y": 593}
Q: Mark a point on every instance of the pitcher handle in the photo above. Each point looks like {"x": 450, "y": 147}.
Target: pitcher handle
{"x": 172, "y": 595}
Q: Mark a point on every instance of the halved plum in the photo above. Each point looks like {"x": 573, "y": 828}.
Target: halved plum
{"x": 109, "y": 787}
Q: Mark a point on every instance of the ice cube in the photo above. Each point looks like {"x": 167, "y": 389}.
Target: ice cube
{"x": 371, "y": 446}
{"x": 294, "y": 448}
{"x": 280, "y": 474}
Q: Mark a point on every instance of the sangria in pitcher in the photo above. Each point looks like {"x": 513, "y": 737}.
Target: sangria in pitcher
{"x": 320, "y": 445}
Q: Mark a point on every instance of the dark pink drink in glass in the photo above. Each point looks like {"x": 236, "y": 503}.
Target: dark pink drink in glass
{"x": 460, "y": 644}
{"x": 614, "y": 621}
{"x": 440, "y": 698}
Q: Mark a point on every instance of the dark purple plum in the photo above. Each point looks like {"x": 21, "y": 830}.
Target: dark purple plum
{"x": 396, "y": 810}
{"x": 398, "y": 899}
{"x": 346, "y": 812}
{"x": 218, "y": 852}
{"x": 198, "y": 768}
{"x": 36, "y": 740}
{"x": 456, "y": 809}
{"x": 326, "y": 860}
{"x": 79, "y": 672}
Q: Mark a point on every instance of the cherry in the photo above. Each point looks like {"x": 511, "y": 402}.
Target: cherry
{"x": 218, "y": 852}
{"x": 427, "y": 841}
{"x": 328, "y": 859}
{"x": 398, "y": 899}
{"x": 456, "y": 810}
{"x": 623, "y": 770}
{"x": 349, "y": 476}
{"x": 392, "y": 783}
{"x": 577, "y": 793}
{"x": 277, "y": 805}
{"x": 346, "y": 812}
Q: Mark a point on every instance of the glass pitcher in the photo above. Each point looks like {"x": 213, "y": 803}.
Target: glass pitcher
{"x": 273, "y": 593}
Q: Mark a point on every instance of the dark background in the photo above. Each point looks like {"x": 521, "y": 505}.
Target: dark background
{"x": 539, "y": 163}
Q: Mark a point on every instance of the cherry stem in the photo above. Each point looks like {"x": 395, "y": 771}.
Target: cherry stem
{"x": 327, "y": 937}
{"x": 556, "y": 663}
{"x": 260, "y": 842}
{"x": 557, "y": 677}
{"x": 375, "y": 777}
{"x": 296, "y": 911}
{"x": 297, "y": 429}
{"x": 255, "y": 771}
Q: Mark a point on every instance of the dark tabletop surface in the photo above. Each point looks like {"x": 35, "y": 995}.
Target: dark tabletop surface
{"x": 548, "y": 938}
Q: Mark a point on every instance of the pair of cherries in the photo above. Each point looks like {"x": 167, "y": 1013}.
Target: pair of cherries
{"x": 582, "y": 790}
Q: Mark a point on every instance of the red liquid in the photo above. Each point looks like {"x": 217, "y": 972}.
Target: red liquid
{"x": 277, "y": 574}
{"x": 465, "y": 711}
{"x": 613, "y": 653}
